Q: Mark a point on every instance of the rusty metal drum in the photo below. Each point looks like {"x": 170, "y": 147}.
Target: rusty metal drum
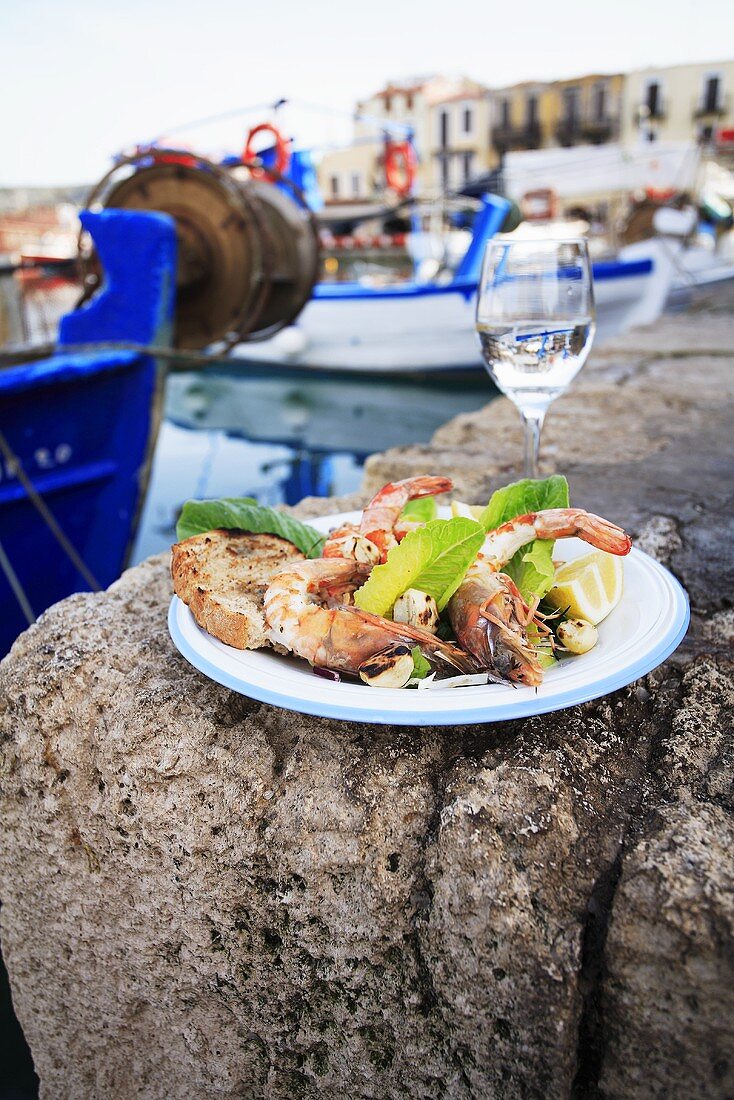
{"x": 248, "y": 250}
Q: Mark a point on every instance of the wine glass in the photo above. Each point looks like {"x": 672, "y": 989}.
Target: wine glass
{"x": 535, "y": 319}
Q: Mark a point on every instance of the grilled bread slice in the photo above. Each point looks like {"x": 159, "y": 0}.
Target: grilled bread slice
{"x": 223, "y": 575}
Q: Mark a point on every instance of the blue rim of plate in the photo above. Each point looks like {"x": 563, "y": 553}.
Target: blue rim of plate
{"x": 422, "y": 714}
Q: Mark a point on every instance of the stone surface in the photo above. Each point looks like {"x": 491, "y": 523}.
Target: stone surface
{"x": 669, "y": 993}
{"x": 206, "y": 897}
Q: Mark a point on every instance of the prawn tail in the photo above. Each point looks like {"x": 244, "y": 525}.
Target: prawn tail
{"x": 603, "y": 534}
{"x": 561, "y": 523}
{"x": 426, "y": 485}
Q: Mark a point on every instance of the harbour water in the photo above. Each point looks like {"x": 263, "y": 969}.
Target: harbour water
{"x": 277, "y": 435}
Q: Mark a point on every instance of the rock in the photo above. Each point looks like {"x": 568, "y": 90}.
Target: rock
{"x": 207, "y": 897}
{"x": 249, "y": 898}
{"x": 263, "y": 904}
{"x": 669, "y": 993}
{"x": 659, "y": 538}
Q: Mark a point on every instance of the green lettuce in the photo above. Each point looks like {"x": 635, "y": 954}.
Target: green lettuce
{"x": 245, "y": 514}
{"x": 532, "y": 566}
{"x": 432, "y": 559}
{"x": 420, "y": 510}
{"x": 421, "y": 667}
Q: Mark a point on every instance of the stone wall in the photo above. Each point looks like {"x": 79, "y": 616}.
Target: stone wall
{"x": 208, "y": 897}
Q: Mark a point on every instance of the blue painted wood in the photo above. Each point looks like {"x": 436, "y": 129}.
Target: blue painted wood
{"x": 83, "y": 426}
{"x": 604, "y": 270}
{"x": 487, "y": 224}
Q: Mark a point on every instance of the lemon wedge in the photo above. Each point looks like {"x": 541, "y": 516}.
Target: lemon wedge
{"x": 468, "y": 511}
{"x": 589, "y": 587}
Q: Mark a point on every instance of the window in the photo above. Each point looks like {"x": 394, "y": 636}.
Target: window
{"x": 388, "y": 104}
{"x": 468, "y": 158}
{"x": 445, "y": 173}
{"x": 652, "y": 99}
{"x": 334, "y": 183}
{"x": 443, "y": 122}
{"x": 531, "y": 109}
{"x": 409, "y": 101}
{"x": 356, "y": 184}
{"x": 467, "y": 120}
{"x": 600, "y": 102}
{"x": 505, "y": 113}
{"x": 570, "y": 105}
{"x": 711, "y": 90}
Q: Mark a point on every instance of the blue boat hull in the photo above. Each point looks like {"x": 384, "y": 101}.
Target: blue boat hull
{"x": 85, "y": 442}
{"x": 78, "y": 431}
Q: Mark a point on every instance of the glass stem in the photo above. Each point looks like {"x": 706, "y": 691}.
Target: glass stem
{"x": 532, "y": 424}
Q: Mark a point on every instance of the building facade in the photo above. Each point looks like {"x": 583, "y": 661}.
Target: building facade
{"x": 459, "y": 145}
{"x": 585, "y": 110}
{"x": 352, "y": 174}
{"x": 461, "y": 128}
{"x": 450, "y": 121}
{"x": 678, "y": 103}
{"x": 520, "y": 116}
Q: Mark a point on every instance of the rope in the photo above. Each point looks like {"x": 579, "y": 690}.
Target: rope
{"x": 17, "y": 587}
{"x": 43, "y": 351}
{"x": 48, "y": 517}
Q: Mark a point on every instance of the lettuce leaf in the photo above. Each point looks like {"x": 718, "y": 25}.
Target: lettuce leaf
{"x": 420, "y": 510}
{"x": 527, "y": 495}
{"x": 455, "y": 545}
{"x": 245, "y": 514}
{"x": 433, "y": 559}
{"x": 532, "y": 567}
{"x": 421, "y": 667}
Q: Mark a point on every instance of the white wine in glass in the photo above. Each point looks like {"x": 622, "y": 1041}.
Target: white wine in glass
{"x": 535, "y": 319}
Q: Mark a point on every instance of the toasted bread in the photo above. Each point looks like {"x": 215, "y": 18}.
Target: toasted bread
{"x": 223, "y": 575}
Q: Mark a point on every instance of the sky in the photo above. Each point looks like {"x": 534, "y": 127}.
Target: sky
{"x": 80, "y": 81}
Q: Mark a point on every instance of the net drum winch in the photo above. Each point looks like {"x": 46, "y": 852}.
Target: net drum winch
{"x": 248, "y": 245}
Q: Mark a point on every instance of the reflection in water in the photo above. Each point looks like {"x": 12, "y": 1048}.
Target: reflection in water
{"x": 282, "y": 435}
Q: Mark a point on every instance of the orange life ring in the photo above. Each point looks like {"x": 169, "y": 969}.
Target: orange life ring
{"x": 400, "y": 167}
{"x": 282, "y": 153}
{"x": 659, "y": 194}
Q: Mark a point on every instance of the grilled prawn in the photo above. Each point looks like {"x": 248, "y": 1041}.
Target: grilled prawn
{"x": 488, "y": 614}
{"x": 380, "y": 527}
{"x": 308, "y": 610}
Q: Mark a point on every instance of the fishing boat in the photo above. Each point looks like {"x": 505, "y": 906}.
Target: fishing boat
{"x": 77, "y": 427}
{"x": 77, "y": 430}
{"x": 418, "y": 326}
{"x": 422, "y": 325}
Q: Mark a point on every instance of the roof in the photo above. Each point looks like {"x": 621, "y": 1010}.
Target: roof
{"x": 468, "y": 93}
{"x": 413, "y": 84}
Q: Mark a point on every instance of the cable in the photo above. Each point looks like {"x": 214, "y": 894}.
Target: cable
{"x": 238, "y": 112}
{"x": 48, "y": 517}
{"x": 17, "y": 587}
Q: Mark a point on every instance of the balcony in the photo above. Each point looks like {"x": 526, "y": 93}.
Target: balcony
{"x": 568, "y": 132}
{"x": 643, "y": 112}
{"x": 527, "y": 136}
{"x": 711, "y": 107}
{"x": 598, "y": 130}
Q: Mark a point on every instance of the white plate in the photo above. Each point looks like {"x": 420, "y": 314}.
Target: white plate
{"x": 645, "y": 627}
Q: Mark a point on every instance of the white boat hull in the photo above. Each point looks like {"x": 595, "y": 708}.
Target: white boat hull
{"x": 431, "y": 333}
